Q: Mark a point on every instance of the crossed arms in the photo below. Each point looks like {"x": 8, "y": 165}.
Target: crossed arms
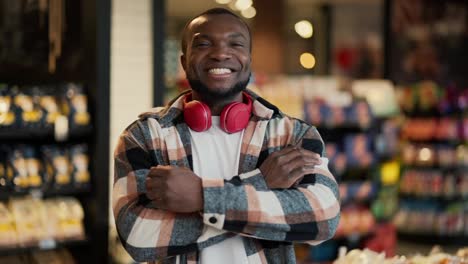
{"x": 161, "y": 211}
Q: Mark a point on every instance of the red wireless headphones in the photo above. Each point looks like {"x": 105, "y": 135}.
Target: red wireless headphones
{"x": 234, "y": 117}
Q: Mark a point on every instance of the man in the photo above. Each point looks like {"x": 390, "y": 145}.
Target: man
{"x": 220, "y": 175}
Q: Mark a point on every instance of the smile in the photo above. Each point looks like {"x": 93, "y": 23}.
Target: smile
{"x": 219, "y": 71}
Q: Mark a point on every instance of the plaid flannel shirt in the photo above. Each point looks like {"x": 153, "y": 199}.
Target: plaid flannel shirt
{"x": 268, "y": 220}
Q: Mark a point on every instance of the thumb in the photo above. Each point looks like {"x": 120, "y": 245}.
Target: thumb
{"x": 158, "y": 171}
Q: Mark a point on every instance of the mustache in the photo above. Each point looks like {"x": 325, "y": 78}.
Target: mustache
{"x": 211, "y": 94}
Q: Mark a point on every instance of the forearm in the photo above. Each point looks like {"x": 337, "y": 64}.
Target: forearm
{"x": 146, "y": 232}
{"x": 308, "y": 213}
{"x": 150, "y": 234}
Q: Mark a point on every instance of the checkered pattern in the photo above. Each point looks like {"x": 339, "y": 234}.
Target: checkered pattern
{"x": 268, "y": 220}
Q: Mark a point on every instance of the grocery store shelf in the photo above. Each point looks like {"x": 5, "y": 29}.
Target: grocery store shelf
{"x": 6, "y": 194}
{"x": 46, "y": 134}
{"x": 48, "y": 244}
{"x": 433, "y": 239}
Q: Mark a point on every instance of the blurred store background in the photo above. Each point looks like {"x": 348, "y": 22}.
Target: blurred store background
{"x": 384, "y": 81}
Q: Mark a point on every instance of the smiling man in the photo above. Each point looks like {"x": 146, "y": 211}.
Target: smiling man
{"x": 220, "y": 175}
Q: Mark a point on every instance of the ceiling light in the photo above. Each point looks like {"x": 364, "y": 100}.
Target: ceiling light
{"x": 249, "y": 12}
{"x": 243, "y": 4}
{"x": 304, "y": 28}
{"x": 307, "y": 60}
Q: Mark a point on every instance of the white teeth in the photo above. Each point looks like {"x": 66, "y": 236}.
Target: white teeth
{"x": 219, "y": 70}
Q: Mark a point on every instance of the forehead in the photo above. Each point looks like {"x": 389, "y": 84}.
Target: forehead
{"x": 217, "y": 24}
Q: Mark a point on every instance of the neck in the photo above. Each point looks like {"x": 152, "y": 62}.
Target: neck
{"x": 216, "y": 105}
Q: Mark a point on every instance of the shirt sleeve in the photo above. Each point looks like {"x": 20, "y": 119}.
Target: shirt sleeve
{"x": 307, "y": 213}
{"x": 146, "y": 232}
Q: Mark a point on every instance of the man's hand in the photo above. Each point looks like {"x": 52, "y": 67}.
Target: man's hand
{"x": 285, "y": 168}
{"x": 174, "y": 189}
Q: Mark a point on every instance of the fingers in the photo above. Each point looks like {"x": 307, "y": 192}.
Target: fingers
{"x": 301, "y": 163}
{"x": 292, "y": 153}
{"x": 154, "y": 183}
{"x": 298, "y": 173}
{"x": 300, "y": 158}
{"x": 310, "y": 155}
{"x": 159, "y": 171}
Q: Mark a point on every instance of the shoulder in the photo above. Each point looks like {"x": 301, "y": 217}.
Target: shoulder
{"x": 153, "y": 113}
{"x": 165, "y": 116}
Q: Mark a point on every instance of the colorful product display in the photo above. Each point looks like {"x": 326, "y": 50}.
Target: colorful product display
{"x": 434, "y": 183}
{"x": 357, "y": 191}
{"x": 427, "y": 98}
{"x": 387, "y": 142}
{"x": 425, "y": 129}
{"x": 434, "y": 179}
{"x": 356, "y": 221}
{"x": 49, "y": 168}
{"x": 430, "y": 155}
{"x": 353, "y": 152}
{"x": 430, "y": 218}
{"x": 320, "y": 113}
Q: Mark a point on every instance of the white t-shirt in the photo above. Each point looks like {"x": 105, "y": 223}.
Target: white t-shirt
{"x": 215, "y": 155}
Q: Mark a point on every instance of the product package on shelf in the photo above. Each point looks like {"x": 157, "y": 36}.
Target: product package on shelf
{"x": 27, "y": 107}
{"x": 49, "y": 106}
{"x": 8, "y": 236}
{"x": 7, "y": 113}
{"x": 68, "y": 215}
{"x": 74, "y": 103}
{"x": 58, "y": 167}
{"x": 42, "y": 109}
{"x": 356, "y": 221}
{"x": 47, "y": 169}
{"x": 24, "y": 170}
{"x": 31, "y": 222}
{"x": 80, "y": 163}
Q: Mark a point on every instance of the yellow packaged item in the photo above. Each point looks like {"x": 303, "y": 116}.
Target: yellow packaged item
{"x": 27, "y": 213}
{"x": 8, "y": 237}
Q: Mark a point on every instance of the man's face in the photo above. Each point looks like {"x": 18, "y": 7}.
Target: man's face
{"x": 217, "y": 57}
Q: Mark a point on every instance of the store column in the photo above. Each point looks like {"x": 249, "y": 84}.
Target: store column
{"x": 268, "y": 43}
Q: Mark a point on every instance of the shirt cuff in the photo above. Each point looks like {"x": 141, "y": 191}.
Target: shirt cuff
{"x": 214, "y": 206}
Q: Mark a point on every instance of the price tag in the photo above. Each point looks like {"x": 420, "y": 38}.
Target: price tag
{"x": 47, "y": 244}
{"x": 61, "y": 128}
{"x": 36, "y": 194}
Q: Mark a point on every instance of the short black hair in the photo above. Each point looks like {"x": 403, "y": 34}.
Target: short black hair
{"x": 212, "y": 11}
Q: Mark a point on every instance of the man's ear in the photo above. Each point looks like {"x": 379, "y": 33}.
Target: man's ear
{"x": 182, "y": 61}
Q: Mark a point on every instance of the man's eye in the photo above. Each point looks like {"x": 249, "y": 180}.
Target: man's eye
{"x": 238, "y": 44}
{"x": 202, "y": 44}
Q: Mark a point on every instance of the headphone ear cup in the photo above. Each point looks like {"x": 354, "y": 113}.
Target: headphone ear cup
{"x": 197, "y": 115}
{"x": 235, "y": 117}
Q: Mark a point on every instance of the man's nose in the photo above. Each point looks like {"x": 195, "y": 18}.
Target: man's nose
{"x": 220, "y": 53}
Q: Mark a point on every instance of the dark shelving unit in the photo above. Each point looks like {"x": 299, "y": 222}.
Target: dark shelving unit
{"x": 92, "y": 18}
{"x": 434, "y": 239}
{"x": 44, "y": 245}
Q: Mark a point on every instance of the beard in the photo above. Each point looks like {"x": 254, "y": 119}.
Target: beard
{"x": 211, "y": 95}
